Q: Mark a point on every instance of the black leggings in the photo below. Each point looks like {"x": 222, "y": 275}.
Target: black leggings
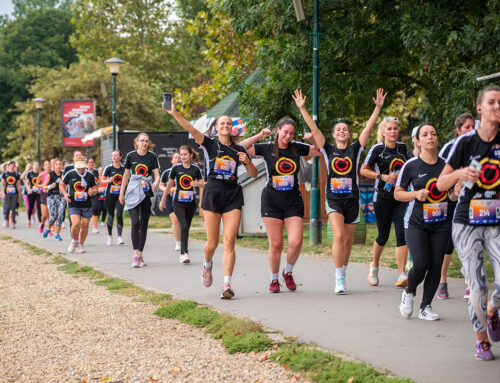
{"x": 139, "y": 216}
{"x": 112, "y": 202}
{"x": 184, "y": 211}
{"x": 427, "y": 252}
{"x": 32, "y": 199}
{"x": 387, "y": 210}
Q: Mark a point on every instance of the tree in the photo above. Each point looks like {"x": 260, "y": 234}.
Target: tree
{"x": 23, "y": 7}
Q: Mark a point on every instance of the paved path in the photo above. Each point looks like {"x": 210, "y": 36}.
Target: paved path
{"x": 364, "y": 324}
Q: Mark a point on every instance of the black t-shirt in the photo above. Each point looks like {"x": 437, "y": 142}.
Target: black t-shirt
{"x": 282, "y": 172}
{"x": 221, "y": 162}
{"x": 68, "y": 168}
{"x": 479, "y": 205}
{"x": 445, "y": 150}
{"x": 432, "y": 214}
{"x": 31, "y": 180}
{"x": 54, "y": 178}
{"x": 385, "y": 161}
{"x": 144, "y": 166}
{"x": 164, "y": 178}
{"x": 342, "y": 165}
{"x": 10, "y": 182}
{"x": 184, "y": 191}
{"x": 116, "y": 175}
{"x": 77, "y": 192}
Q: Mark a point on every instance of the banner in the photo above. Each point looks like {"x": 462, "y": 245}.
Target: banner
{"x": 78, "y": 119}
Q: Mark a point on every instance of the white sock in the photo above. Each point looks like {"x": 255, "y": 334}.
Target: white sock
{"x": 227, "y": 279}
{"x": 288, "y": 268}
{"x": 343, "y": 269}
{"x": 207, "y": 265}
{"x": 274, "y": 276}
{"x": 178, "y": 243}
{"x": 110, "y": 237}
{"x": 338, "y": 271}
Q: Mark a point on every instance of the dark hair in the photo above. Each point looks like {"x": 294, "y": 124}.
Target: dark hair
{"x": 210, "y": 130}
{"x": 282, "y": 122}
{"x": 460, "y": 120}
{"x": 484, "y": 91}
{"x": 194, "y": 153}
{"x": 420, "y": 127}
{"x": 119, "y": 152}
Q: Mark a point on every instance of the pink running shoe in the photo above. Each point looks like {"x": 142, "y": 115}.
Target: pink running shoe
{"x": 274, "y": 287}
{"x": 135, "y": 262}
{"x": 206, "y": 277}
{"x": 290, "y": 283}
{"x": 227, "y": 292}
{"x": 141, "y": 262}
{"x": 40, "y": 228}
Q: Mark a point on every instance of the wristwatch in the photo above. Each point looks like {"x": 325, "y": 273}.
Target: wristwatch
{"x": 379, "y": 177}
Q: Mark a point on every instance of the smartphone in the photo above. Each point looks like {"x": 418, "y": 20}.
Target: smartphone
{"x": 167, "y": 101}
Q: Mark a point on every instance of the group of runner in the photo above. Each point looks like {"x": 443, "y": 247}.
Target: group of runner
{"x": 435, "y": 199}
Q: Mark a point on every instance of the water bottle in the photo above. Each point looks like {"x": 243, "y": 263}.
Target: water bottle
{"x": 388, "y": 186}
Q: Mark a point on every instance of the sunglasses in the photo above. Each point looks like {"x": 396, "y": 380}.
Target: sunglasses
{"x": 391, "y": 119}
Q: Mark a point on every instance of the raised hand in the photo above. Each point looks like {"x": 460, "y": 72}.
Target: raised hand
{"x": 299, "y": 100}
{"x": 379, "y": 100}
{"x": 169, "y": 111}
{"x": 265, "y": 132}
{"x": 308, "y": 136}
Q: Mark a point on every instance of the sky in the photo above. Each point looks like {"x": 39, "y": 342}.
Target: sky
{"x": 6, "y": 7}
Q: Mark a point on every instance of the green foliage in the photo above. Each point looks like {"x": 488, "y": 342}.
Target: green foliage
{"x": 247, "y": 342}
{"x": 176, "y": 309}
{"x": 199, "y": 316}
{"x": 23, "y": 7}
{"x": 114, "y": 283}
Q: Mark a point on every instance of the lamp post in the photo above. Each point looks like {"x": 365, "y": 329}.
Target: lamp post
{"x": 38, "y": 105}
{"x": 114, "y": 65}
{"x": 314, "y": 221}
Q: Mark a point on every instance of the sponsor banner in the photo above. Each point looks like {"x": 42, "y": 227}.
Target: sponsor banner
{"x": 78, "y": 120}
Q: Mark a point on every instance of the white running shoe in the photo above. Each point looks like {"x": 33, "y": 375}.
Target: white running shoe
{"x": 177, "y": 247}
{"x": 72, "y": 246}
{"x": 428, "y": 314}
{"x": 110, "y": 241}
{"x": 95, "y": 230}
{"x": 340, "y": 285}
{"x": 406, "y": 306}
{"x": 184, "y": 258}
{"x": 402, "y": 280}
{"x": 119, "y": 241}
{"x": 80, "y": 249}
{"x": 373, "y": 275}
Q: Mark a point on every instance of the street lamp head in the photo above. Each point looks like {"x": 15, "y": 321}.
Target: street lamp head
{"x": 114, "y": 65}
{"x": 38, "y": 103}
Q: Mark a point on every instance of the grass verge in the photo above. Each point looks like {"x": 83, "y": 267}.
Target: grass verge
{"x": 236, "y": 334}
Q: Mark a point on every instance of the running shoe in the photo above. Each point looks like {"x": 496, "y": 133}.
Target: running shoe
{"x": 428, "y": 314}
{"x": 141, "y": 262}
{"x": 184, "y": 258}
{"x": 340, "y": 285}
{"x": 406, "y": 305}
{"x": 95, "y": 230}
{"x": 177, "y": 247}
{"x": 45, "y": 233}
{"x": 290, "y": 283}
{"x": 5, "y": 223}
{"x": 72, "y": 246}
{"x": 135, "y": 262}
{"x": 373, "y": 275}
{"x": 494, "y": 326}
{"x": 119, "y": 241}
{"x": 57, "y": 237}
{"x": 402, "y": 280}
{"x": 13, "y": 225}
{"x": 442, "y": 290}
{"x": 227, "y": 292}
{"x": 483, "y": 351}
{"x": 29, "y": 223}
{"x": 80, "y": 249}
{"x": 109, "y": 242}
{"x": 206, "y": 277}
{"x": 467, "y": 294}
{"x": 274, "y": 287}
{"x": 40, "y": 228}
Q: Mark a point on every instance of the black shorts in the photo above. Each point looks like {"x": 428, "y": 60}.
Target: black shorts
{"x": 222, "y": 200}
{"x": 348, "y": 207}
{"x": 168, "y": 205}
{"x": 281, "y": 204}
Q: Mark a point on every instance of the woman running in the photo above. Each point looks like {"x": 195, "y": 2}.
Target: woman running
{"x": 186, "y": 177}
{"x": 56, "y": 202}
{"x": 222, "y": 196}
{"x": 475, "y": 161}
{"x": 342, "y": 191}
{"x": 101, "y": 187}
{"x": 427, "y": 224}
{"x": 33, "y": 192}
{"x": 383, "y": 163}
{"x": 141, "y": 166}
{"x": 43, "y": 195}
{"x": 11, "y": 193}
{"x": 176, "y": 230}
{"x": 281, "y": 201}
{"x": 24, "y": 191}
{"x": 114, "y": 175}
{"x": 77, "y": 187}
{"x": 463, "y": 124}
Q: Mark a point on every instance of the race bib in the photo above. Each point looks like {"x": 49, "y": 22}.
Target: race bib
{"x": 114, "y": 189}
{"x": 11, "y": 189}
{"x": 495, "y": 152}
{"x": 484, "y": 212}
{"x": 341, "y": 185}
{"x": 145, "y": 185}
{"x": 80, "y": 196}
{"x": 185, "y": 196}
{"x": 283, "y": 183}
{"x": 102, "y": 189}
{"x": 435, "y": 212}
{"x": 224, "y": 167}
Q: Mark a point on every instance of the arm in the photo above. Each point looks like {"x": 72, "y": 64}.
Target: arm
{"x": 368, "y": 172}
{"x": 249, "y": 166}
{"x": 126, "y": 177}
{"x": 156, "y": 173}
{"x": 247, "y": 143}
{"x": 18, "y": 186}
{"x": 402, "y": 195}
{"x": 379, "y": 103}
{"x": 62, "y": 190}
{"x": 449, "y": 177}
{"x": 318, "y": 138}
{"x": 197, "y": 135}
{"x": 45, "y": 185}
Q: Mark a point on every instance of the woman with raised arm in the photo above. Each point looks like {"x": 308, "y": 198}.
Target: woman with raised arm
{"x": 281, "y": 201}
{"x": 222, "y": 196}
{"x": 176, "y": 230}
{"x": 342, "y": 191}
{"x": 475, "y": 161}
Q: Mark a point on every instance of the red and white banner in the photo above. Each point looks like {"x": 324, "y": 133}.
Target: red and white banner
{"x": 78, "y": 120}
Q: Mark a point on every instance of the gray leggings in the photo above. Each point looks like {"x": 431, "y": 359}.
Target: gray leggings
{"x": 56, "y": 205}
{"x": 10, "y": 206}
{"x": 470, "y": 242}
